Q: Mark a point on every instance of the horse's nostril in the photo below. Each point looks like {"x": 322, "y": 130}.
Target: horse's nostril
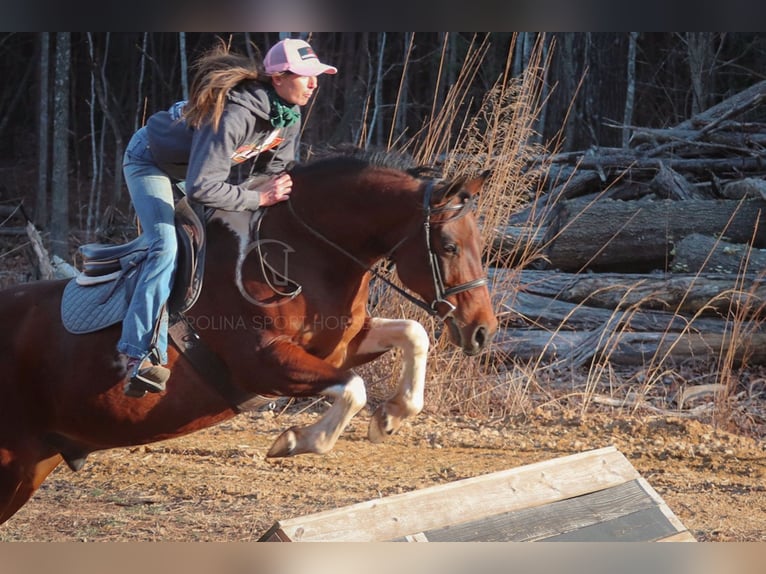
{"x": 480, "y": 336}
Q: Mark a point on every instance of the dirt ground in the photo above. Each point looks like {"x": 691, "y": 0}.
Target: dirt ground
{"x": 216, "y": 485}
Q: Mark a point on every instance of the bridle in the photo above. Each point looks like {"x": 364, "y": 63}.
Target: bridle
{"x": 441, "y": 291}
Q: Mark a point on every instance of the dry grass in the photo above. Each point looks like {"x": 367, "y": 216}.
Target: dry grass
{"x": 501, "y": 137}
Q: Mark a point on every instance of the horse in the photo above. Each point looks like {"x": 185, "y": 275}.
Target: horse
{"x": 283, "y": 312}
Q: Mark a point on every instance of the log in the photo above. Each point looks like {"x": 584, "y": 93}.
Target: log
{"x": 574, "y": 349}
{"x": 574, "y": 186}
{"x": 621, "y": 161}
{"x": 690, "y": 294}
{"x": 749, "y": 187}
{"x": 515, "y": 246}
{"x": 46, "y": 270}
{"x": 741, "y": 102}
{"x": 736, "y": 138}
{"x": 696, "y": 253}
{"x": 670, "y": 184}
{"x": 540, "y": 311}
{"x": 638, "y": 236}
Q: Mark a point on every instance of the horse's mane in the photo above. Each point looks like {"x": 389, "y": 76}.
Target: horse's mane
{"x": 350, "y": 157}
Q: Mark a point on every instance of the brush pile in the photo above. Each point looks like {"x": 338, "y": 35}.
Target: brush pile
{"x": 651, "y": 252}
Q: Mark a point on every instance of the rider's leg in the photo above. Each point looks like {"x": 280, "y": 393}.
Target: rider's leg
{"x": 145, "y": 326}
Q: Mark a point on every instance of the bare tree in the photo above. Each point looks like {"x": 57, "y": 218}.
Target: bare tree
{"x": 60, "y": 171}
{"x": 700, "y": 53}
{"x": 630, "y": 93}
{"x": 41, "y": 205}
{"x": 376, "y": 122}
{"x": 400, "y": 108}
{"x": 138, "y": 120}
{"x": 101, "y": 90}
{"x": 184, "y": 65}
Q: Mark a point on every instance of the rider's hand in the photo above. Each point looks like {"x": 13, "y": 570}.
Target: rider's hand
{"x": 275, "y": 190}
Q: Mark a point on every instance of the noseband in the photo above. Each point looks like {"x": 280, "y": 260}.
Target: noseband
{"x": 440, "y": 290}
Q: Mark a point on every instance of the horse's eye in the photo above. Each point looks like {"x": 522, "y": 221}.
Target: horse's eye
{"x": 450, "y": 248}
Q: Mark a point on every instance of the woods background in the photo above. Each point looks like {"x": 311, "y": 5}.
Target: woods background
{"x": 70, "y": 101}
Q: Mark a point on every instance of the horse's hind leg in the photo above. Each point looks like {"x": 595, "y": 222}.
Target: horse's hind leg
{"x": 20, "y": 476}
{"x": 412, "y": 339}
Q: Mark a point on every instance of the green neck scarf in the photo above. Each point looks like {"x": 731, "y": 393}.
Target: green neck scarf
{"x": 282, "y": 114}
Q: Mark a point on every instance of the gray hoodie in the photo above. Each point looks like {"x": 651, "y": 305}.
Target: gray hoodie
{"x": 207, "y": 158}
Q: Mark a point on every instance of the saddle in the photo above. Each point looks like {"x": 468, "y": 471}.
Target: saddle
{"x": 98, "y": 297}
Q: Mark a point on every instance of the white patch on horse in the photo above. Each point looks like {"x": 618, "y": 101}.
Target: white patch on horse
{"x": 239, "y": 222}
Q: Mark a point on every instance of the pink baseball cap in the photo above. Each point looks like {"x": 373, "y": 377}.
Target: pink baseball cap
{"x": 297, "y": 57}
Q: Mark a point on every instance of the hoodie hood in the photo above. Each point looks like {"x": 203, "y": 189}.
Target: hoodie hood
{"x": 254, "y": 97}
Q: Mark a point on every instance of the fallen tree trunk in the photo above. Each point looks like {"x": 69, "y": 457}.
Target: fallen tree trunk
{"x": 542, "y": 311}
{"x": 573, "y": 349}
{"x": 709, "y": 294}
{"x": 741, "y": 101}
{"x": 697, "y": 252}
{"x": 638, "y": 236}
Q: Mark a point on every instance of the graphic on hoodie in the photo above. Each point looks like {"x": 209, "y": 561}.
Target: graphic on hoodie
{"x": 246, "y": 151}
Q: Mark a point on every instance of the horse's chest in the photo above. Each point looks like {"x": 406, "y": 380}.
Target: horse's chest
{"x": 329, "y": 337}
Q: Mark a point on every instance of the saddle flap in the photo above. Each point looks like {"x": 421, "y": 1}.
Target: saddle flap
{"x": 190, "y": 266}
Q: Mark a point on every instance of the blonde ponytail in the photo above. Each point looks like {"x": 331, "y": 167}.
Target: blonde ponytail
{"x": 216, "y": 72}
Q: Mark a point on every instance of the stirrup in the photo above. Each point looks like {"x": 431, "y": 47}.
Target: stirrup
{"x": 149, "y": 379}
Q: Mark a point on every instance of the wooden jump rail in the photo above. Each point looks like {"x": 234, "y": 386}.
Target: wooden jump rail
{"x": 590, "y": 496}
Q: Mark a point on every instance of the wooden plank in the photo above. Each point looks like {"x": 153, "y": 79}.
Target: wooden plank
{"x": 645, "y": 525}
{"x": 674, "y": 520}
{"x": 684, "y": 536}
{"x": 552, "y": 519}
{"x": 465, "y": 500}
{"x": 419, "y": 537}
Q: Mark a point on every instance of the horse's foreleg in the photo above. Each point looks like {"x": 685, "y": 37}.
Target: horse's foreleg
{"x": 310, "y": 376}
{"x": 412, "y": 339}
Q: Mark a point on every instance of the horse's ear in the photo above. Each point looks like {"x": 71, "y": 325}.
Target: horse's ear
{"x": 472, "y": 186}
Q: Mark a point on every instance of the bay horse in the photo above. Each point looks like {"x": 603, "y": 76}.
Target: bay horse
{"x": 283, "y": 309}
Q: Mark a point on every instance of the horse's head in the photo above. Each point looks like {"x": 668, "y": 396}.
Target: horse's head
{"x": 442, "y": 263}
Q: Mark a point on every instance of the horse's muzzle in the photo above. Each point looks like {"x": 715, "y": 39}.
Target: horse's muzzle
{"x": 471, "y": 339}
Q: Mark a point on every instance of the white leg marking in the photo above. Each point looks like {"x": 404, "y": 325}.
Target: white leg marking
{"x": 321, "y": 437}
{"x": 412, "y": 339}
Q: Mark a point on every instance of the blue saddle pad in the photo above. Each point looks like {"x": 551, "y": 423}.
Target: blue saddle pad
{"x": 85, "y": 309}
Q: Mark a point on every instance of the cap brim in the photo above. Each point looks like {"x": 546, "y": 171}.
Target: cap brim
{"x": 312, "y": 69}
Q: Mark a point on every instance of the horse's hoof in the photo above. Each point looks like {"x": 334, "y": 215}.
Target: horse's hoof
{"x": 284, "y": 445}
{"x": 380, "y": 426}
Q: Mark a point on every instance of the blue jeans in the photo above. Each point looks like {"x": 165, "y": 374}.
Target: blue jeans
{"x": 152, "y": 193}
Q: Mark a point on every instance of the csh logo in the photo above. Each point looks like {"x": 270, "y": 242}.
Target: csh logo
{"x": 273, "y": 259}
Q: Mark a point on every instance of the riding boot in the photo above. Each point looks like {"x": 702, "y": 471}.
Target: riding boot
{"x": 145, "y": 377}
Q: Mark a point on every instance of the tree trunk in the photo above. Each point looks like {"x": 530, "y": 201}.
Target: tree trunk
{"x": 639, "y": 236}
{"x": 630, "y": 94}
{"x": 554, "y": 314}
{"x": 41, "y": 204}
{"x": 60, "y": 171}
{"x": 688, "y": 294}
{"x": 376, "y": 122}
{"x": 574, "y": 349}
{"x": 184, "y": 65}
{"x": 696, "y": 253}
